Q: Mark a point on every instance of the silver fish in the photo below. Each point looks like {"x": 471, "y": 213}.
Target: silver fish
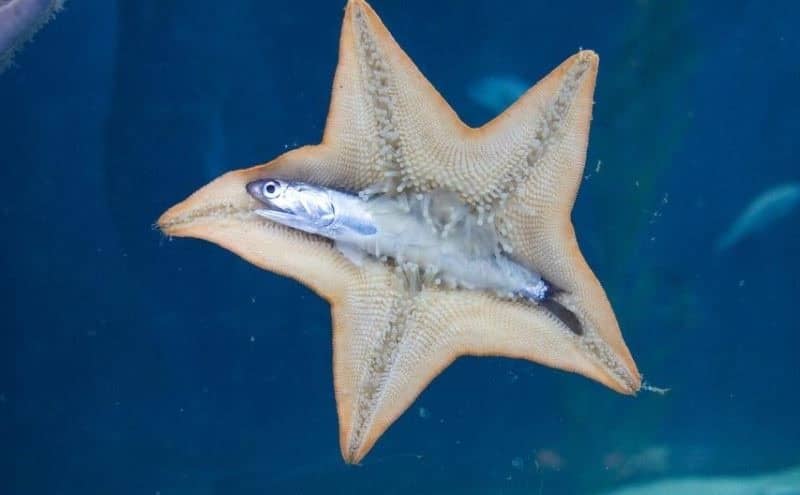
{"x": 386, "y": 227}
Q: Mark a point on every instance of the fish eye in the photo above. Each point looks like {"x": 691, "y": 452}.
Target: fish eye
{"x": 271, "y": 189}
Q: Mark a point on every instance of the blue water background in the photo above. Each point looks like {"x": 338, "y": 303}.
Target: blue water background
{"x": 133, "y": 364}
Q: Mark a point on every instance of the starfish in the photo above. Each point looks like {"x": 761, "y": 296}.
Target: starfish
{"x": 389, "y": 131}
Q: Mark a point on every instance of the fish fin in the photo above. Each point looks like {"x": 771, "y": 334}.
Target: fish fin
{"x": 363, "y": 228}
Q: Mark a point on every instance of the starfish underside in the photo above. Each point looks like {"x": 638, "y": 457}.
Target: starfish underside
{"x": 389, "y": 131}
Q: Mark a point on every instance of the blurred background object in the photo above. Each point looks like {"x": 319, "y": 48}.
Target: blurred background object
{"x": 19, "y": 21}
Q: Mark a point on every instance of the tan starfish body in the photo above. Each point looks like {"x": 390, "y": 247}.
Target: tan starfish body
{"x": 389, "y": 130}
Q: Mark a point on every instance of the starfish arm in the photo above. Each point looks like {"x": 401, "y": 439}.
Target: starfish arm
{"x": 491, "y": 327}
{"x": 222, "y": 212}
{"x": 542, "y": 191}
{"x": 382, "y": 357}
{"x": 535, "y": 216}
{"x": 544, "y": 136}
{"x": 388, "y": 346}
{"x": 374, "y": 118}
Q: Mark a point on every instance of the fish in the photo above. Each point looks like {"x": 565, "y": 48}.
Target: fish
{"x": 766, "y": 209}
{"x": 19, "y": 21}
{"x": 429, "y": 238}
{"x": 496, "y": 93}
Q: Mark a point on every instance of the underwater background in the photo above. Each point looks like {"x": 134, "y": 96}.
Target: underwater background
{"x": 134, "y": 364}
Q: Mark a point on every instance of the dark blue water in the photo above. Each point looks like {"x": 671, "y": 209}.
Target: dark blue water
{"x": 137, "y": 365}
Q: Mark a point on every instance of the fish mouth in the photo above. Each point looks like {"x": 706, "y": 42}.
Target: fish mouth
{"x": 271, "y": 210}
{"x": 282, "y": 217}
{"x": 253, "y": 189}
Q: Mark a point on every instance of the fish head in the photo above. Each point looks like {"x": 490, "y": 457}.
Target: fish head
{"x": 295, "y": 204}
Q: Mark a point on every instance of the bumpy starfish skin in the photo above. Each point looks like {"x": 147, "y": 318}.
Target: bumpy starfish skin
{"x": 388, "y": 130}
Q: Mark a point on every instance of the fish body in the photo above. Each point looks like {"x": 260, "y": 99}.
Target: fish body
{"x": 409, "y": 233}
{"x": 767, "y": 208}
